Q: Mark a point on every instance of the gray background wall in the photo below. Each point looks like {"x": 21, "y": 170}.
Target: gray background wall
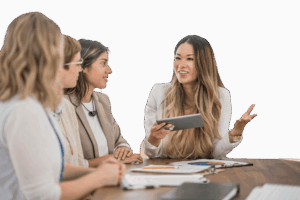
{"x": 256, "y": 44}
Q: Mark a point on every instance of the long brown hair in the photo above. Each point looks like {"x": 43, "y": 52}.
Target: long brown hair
{"x": 197, "y": 144}
{"x": 30, "y": 58}
{"x": 90, "y": 52}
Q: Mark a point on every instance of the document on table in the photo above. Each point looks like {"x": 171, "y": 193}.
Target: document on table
{"x": 275, "y": 192}
{"x": 185, "y": 169}
{"x": 207, "y": 162}
{"x": 151, "y": 181}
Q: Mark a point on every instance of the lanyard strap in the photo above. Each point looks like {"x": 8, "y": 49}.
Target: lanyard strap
{"x": 62, "y": 151}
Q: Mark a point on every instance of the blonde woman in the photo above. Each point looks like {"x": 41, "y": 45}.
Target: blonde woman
{"x": 31, "y": 148}
{"x": 65, "y": 112}
{"x": 196, "y": 87}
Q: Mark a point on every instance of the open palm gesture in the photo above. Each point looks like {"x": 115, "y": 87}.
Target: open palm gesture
{"x": 241, "y": 123}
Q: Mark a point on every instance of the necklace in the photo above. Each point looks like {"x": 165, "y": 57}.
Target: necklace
{"x": 91, "y": 113}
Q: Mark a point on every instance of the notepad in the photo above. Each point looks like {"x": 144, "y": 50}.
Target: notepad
{"x": 217, "y": 163}
{"x": 187, "y": 169}
{"x": 274, "y": 192}
{"x": 210, "y": 191}
{"x": 152, "y": 181}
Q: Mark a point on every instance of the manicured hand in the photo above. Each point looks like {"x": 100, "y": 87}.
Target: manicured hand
{"x": 241, "y": 123}
{"x": 122, "y": 152}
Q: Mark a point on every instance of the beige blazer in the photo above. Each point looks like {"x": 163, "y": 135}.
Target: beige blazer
{"x": 109, "y": 126}
{"x": 69, "y": 127}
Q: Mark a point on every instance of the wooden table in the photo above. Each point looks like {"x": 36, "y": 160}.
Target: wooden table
{"x": 263, "y": 171}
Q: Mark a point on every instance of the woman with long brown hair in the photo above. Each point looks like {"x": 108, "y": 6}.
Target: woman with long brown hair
{"x": 31, "y": 148}
{"x": 99, "y": 132}
{"x": 196, "y": 87}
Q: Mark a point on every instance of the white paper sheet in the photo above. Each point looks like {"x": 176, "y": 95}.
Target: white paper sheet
{"x": 227, "y": 163}
{"x": 185, "y": 169}
{"x": 141, "y": 181}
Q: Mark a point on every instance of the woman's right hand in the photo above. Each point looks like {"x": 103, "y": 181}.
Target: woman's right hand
{"x": 158, "y": 132}
{"x": 111, "y": 172}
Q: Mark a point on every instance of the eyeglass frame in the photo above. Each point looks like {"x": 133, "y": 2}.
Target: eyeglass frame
{"x": 76, "y": 63}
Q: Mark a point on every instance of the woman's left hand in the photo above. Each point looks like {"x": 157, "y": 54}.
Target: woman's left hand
{"x": 122, "y": 152}
{"x": 241, "y": 123}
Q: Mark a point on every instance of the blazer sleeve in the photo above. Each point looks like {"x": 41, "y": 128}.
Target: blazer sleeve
{"x": 119, "y": 140}
{"x": 151, "y": 116}
{"x": 223, "y": 147}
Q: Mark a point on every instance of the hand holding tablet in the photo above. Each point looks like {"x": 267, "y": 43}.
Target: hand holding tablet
{"x": 183, "y": 122}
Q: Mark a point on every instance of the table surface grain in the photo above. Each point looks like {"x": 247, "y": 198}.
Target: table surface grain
{"x": 263, "y": 171}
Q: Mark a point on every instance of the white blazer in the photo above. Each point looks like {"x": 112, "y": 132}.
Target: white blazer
{"x": 154, "y": 111}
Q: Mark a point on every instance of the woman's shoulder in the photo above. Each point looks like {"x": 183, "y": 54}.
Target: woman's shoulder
{"x": 224, "y": 93}
{"x": 160, "y": 88}
{"x": 101, "y": 97}
{"x": 66, "y": 105}
{"x": 27, "y": 105}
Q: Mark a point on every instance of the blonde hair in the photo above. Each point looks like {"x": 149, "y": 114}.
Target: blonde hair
{"x": 197, "y": 144}
{"x": 30, "y": 58}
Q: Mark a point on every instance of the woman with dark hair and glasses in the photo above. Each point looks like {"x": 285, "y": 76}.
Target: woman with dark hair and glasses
{"x": 100, "y": 134}
{"x": 196, "y": 87}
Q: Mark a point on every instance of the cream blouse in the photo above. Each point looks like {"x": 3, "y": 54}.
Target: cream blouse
{"x": 154, "y": 111}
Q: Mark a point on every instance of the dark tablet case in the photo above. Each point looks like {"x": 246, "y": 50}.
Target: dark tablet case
{"x": 193, "y": 191}
{"x": 184, "y": 122}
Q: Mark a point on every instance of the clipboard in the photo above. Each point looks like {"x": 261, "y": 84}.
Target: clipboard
{"x": 184, "y": 122}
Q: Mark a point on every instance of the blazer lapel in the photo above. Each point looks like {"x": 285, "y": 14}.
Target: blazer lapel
{"x": 106, "y": 127}
{"x": 80, "y": 112}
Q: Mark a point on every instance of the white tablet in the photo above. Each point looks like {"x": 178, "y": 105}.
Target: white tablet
{"x": 184, "y": 122}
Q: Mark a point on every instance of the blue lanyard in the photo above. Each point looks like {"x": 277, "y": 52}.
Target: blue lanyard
{"x": 62, "y": 151}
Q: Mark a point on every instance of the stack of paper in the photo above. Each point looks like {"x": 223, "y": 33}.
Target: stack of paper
{"x": 152, "y": 181}
{"x": 217, "y": 163}
{"x": 275, "y": 192}
{"x": 184, "y": 169}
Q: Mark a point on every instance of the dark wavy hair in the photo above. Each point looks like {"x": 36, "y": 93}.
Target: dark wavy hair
{"x": 90, "y": 52}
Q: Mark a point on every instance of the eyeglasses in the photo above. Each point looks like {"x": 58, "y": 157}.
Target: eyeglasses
{"x": 79, "y": 64}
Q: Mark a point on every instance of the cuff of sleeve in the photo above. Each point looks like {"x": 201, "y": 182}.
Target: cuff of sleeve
{"x": 121, "y": 145}
{"x": 86, "y": 163}
{"x": 150, "y": 150}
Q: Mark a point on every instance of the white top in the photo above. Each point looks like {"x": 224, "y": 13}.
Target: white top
{"x": 69, "y": 126}
{"x": 153, "y": 111}
{"x": 30, "y": 151}
{"x": 98, "y": 132}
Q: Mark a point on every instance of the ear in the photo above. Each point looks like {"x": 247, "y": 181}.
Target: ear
{"x": 85, "y": 70}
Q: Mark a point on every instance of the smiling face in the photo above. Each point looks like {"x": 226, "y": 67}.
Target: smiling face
{"x": 184, "y": 64}
{"x": 69, "y": 77}
{"x": 97, "y": 74}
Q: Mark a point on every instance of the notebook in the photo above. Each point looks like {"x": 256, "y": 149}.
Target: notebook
{"x": 216, "y": 163}
{"x": 147, "y": 181}
{"x": 275, "y": 192}
{"x": 188, "y": 169}
{"x": 210, "y": 191}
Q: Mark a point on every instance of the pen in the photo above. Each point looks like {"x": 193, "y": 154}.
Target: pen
{"x": 160, "y": 168}
{"x": 131, "y": 187}
{"x": 200, "y": 164}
